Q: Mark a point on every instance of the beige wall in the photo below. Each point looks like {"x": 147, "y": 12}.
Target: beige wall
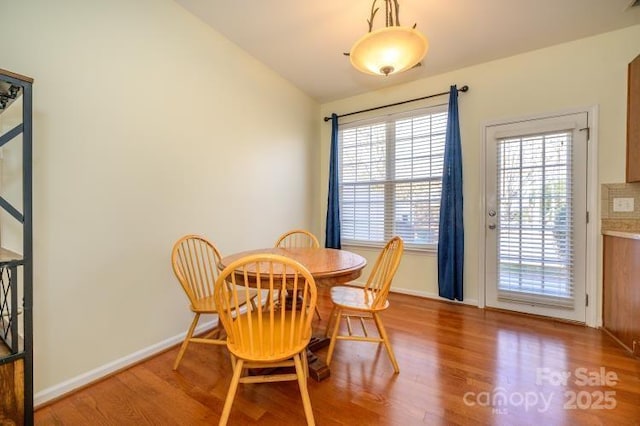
{"x": 582, "y": 73}
{"x": 148, "y": 125}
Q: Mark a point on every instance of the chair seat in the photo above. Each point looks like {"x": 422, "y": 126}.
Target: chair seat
{"x": 355, "y": 298}
{"x": 270, "y": 347}
{"x": 207, "y": 305}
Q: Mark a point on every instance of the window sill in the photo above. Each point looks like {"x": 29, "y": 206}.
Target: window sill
{"x": 378, "y": 246}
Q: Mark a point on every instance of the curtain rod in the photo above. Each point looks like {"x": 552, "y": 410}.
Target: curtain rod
{"x": 462, "y": 89}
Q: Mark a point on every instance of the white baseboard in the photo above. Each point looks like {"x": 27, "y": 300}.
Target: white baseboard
{"x": 425, "y": 294}
{"x": 96, "y": 374}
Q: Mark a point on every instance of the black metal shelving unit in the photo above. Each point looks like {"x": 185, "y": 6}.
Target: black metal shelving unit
{"x": 16, "y": 270}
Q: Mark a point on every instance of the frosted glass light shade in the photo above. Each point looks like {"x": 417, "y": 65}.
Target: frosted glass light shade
{"x": 388, "y": 50}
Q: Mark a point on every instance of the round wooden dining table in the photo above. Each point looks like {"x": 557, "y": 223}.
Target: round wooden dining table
{"x": 328, "y": 267}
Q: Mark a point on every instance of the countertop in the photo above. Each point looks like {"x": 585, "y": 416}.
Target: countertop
{"x": 623, "y": 228}
{"x": 622, "y": 234}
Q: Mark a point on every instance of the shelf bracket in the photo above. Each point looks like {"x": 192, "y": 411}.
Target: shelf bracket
{"x": 11, "y": 210}
{"x": 11, "y": 134}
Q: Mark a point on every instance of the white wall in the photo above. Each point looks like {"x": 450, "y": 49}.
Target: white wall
{"x": 147, "y": 125}
{"x": 586, "y": 72}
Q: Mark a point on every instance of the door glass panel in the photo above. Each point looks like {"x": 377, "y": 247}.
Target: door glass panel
{"x": 535, "y": 251}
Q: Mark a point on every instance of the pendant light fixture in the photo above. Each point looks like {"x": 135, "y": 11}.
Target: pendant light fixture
{"x": 391, "y": 49}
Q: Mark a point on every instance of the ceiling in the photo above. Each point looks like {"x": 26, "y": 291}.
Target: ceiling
{"x": 303, "y": 40}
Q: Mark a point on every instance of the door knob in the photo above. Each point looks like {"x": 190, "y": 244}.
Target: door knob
{"x": 492, "y": 226}
{"x": 492, "y": 213}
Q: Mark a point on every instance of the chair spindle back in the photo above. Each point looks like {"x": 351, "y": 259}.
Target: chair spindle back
{"x": 379, "y": 281}
{"x": 297, "y": 238}
{"x": 194, "y": 260}
{"x": 280, "y": 327}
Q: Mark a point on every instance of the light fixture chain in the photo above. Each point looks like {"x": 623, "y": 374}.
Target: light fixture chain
{"x": 397, "y": 12}
{"x": 391, "y": 12}
{"x": 388, "y": 12}
{"x": 373, "y": 14}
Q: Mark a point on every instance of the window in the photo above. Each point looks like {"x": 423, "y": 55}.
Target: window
{"x": 391, "y": 178}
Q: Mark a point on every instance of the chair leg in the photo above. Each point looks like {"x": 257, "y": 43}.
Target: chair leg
{"x": 318, "y": 314}
{"x": 334, "y": 334}
{"x": 231, "y": 394}
{"x": 233, "y": 360}
{"x": 305, "y": 362}
{"x": 253, "y": 306}
{"x": 387, "y": 343}
{"x": 304, "y": 391}
{"x": 330, "y": 321}
{"x": 185, "y": 343}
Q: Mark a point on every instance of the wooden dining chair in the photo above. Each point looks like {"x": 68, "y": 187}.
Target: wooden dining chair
{"x": 366, "y": 303}
{"x": 273, "y": 334}
{"x": 194, "y": 260}
{"x": 299, "y": 238}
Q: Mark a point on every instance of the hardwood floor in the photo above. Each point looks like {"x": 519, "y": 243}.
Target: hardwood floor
{"x": 458, "y": 365}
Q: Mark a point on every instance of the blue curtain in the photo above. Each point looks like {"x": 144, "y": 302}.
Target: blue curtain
{"x": 332, "y": 232}
{"x": 451, "y": 231}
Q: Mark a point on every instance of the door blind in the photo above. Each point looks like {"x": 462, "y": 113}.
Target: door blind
{"x": 535, "y": 253}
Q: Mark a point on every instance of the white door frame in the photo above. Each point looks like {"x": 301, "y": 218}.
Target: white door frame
{"x": 593, "y": 284}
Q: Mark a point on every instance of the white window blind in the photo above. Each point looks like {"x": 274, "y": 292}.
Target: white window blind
{"x": 535, "y": 251}
{"x": 391, "y": 178}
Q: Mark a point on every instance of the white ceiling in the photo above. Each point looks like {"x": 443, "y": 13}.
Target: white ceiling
{"x": 303, "y": 40}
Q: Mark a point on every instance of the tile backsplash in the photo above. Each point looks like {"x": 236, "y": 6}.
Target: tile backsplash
{"x": 611, "y": 191}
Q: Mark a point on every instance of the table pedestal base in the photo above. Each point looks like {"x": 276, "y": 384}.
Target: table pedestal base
{"x": 318, "y": 369}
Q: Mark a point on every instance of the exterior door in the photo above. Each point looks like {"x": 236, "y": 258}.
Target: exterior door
{"x": 536, "y": 217}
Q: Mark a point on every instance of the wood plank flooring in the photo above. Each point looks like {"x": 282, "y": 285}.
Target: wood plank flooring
{"x": 458, "y": 365}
